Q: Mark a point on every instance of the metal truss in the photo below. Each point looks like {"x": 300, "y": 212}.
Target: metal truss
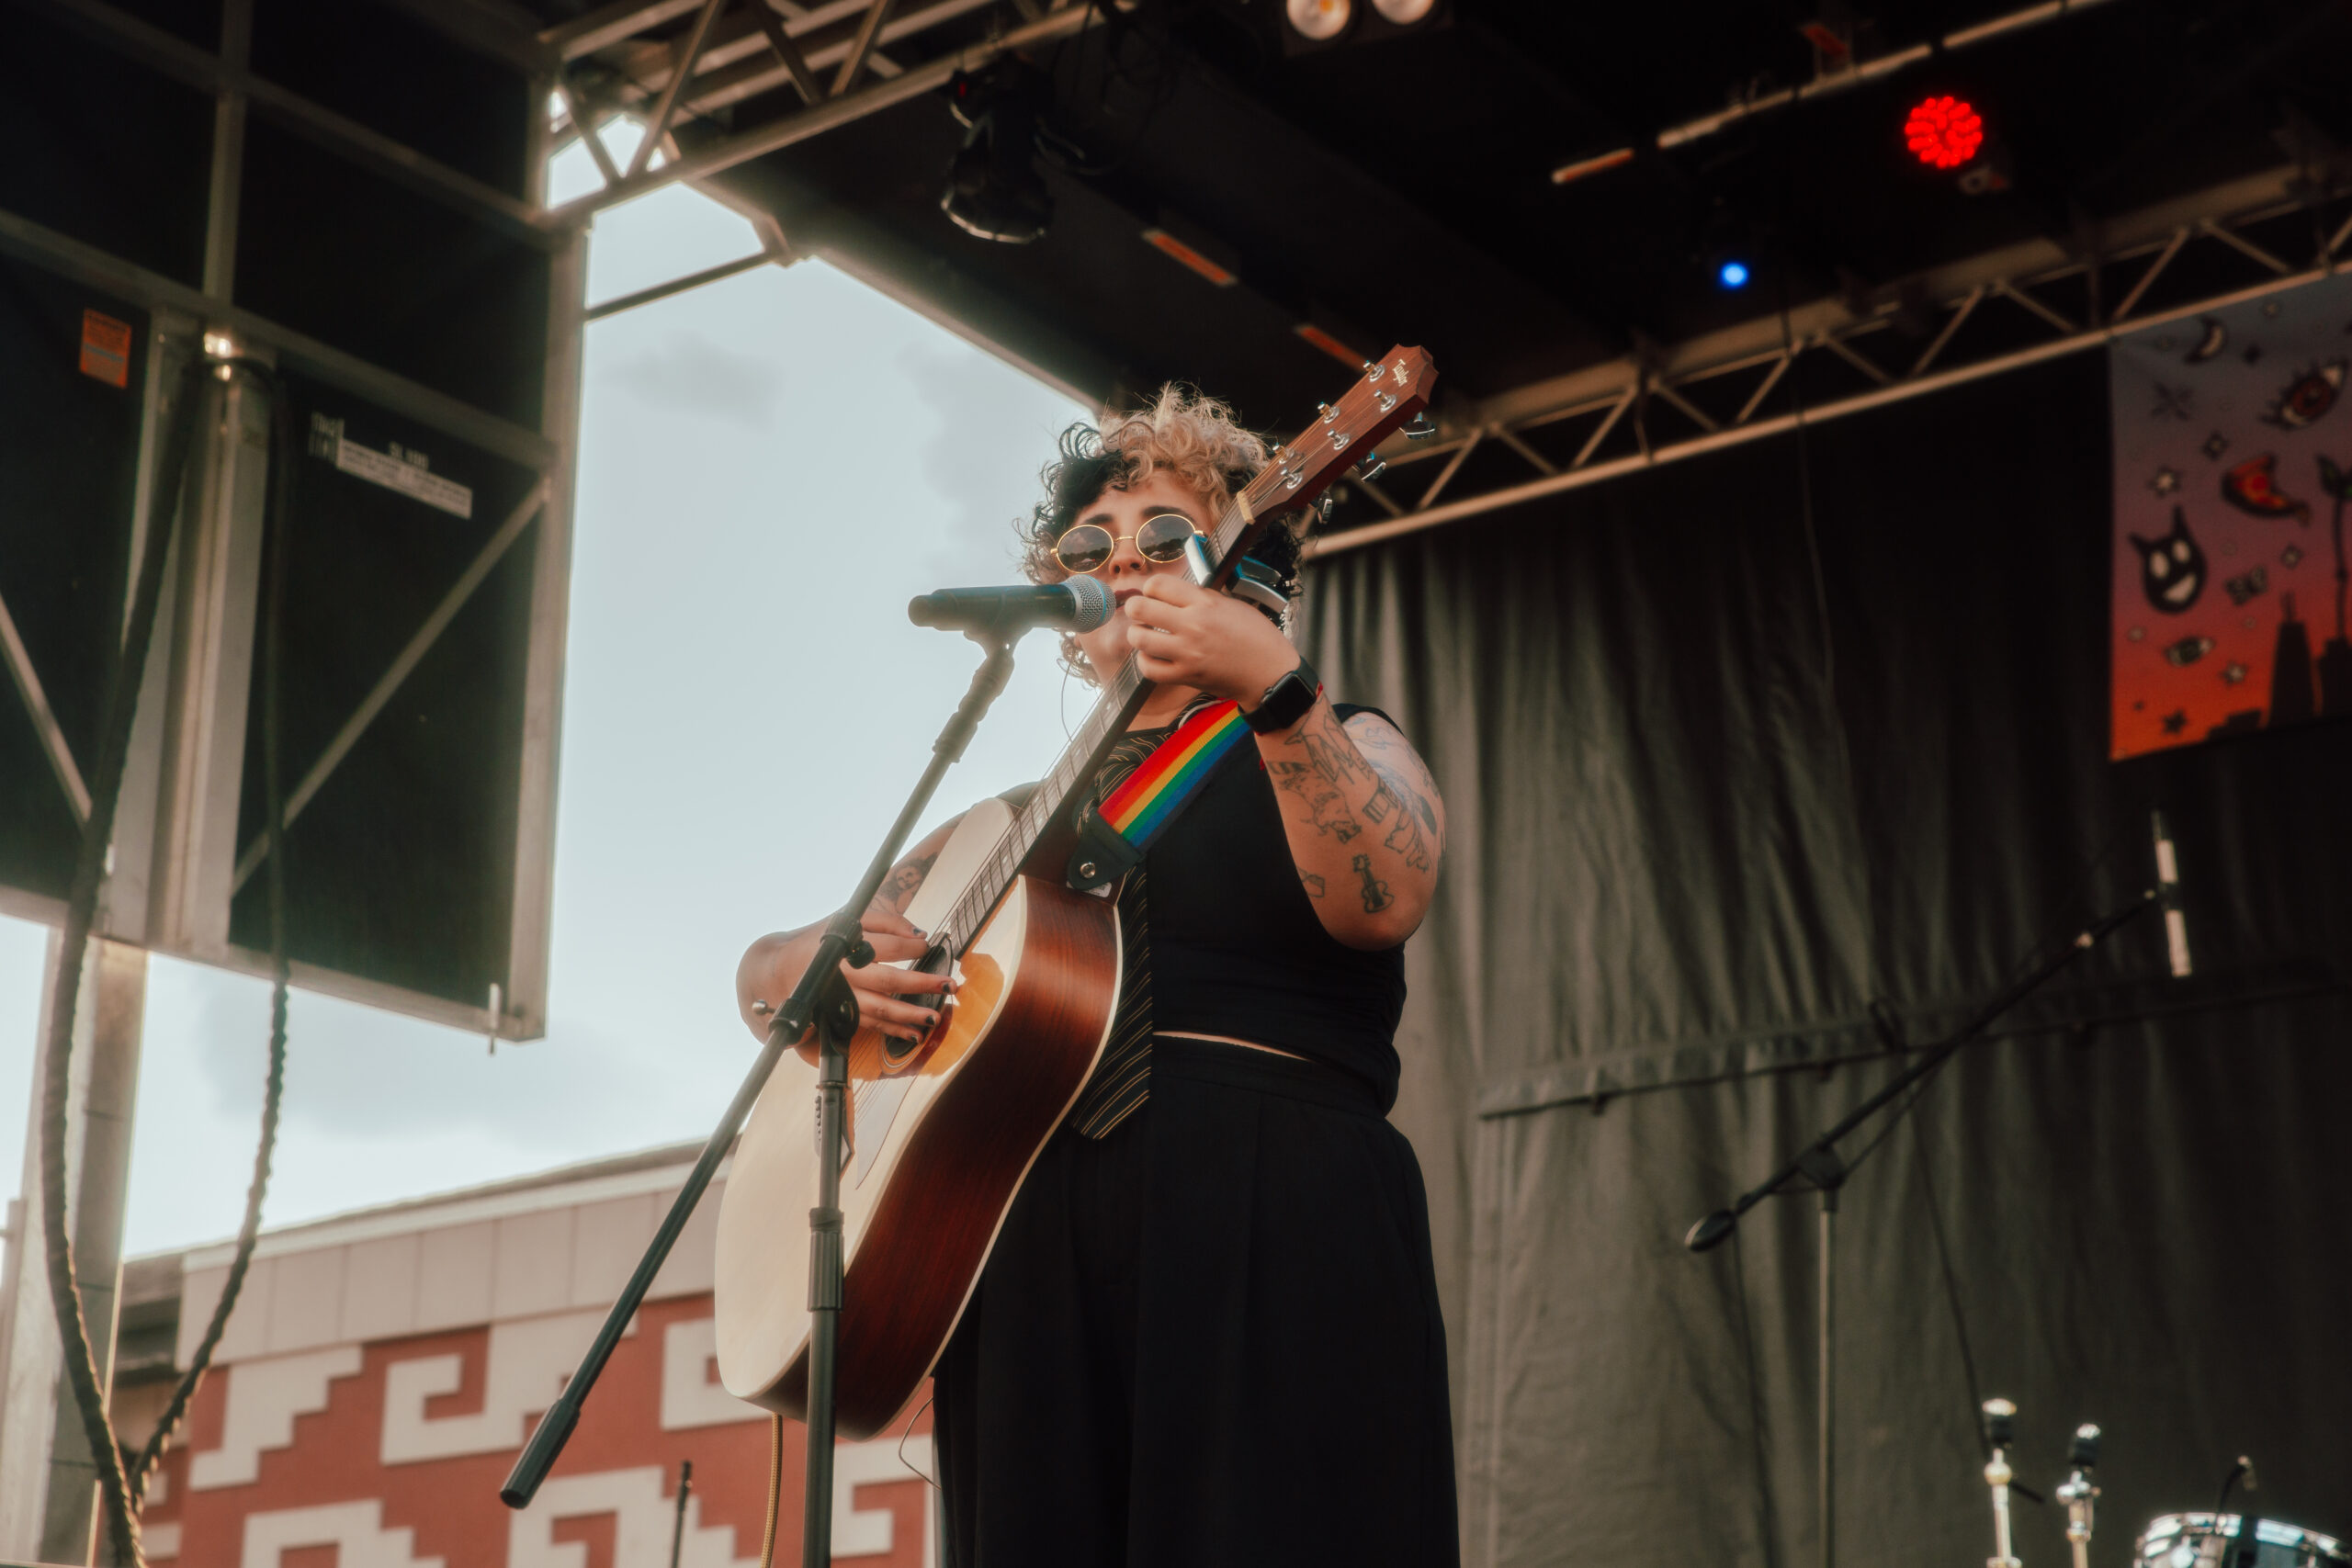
{"x": 732, "y": 50}
{"x": 1974, "y": 318}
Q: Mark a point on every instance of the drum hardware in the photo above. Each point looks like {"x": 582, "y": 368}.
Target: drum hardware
{"x": 2000, "y": 1430}
{"x": 2078, "y": 1492}
{"x": 2234, "y": 1540}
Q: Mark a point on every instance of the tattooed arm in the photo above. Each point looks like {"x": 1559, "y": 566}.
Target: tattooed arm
{"x": 773, "y": 964}
{"x": 1366, "y": 827}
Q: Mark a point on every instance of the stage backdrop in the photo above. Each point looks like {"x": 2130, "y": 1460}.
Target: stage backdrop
{"x": 1719, "y": 783}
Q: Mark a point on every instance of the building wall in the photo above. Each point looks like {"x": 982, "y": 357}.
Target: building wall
{"x": 380, "y": 1374}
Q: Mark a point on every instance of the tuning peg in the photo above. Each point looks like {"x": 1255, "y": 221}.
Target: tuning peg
{"x": 1369, "y": 467}
{"x": 1419, "y": 428}
{"x": 1323, "y": 505}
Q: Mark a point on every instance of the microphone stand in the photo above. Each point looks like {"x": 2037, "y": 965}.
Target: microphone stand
{"x": 821, "y": 1000}
{"x": 1819, "y": 1168}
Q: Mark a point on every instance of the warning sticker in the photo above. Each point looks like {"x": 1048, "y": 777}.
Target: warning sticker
{"x": 402, "y": 468}
{"x": 105, "y": 348}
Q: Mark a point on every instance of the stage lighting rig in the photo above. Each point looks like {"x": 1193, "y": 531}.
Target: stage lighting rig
{"x": 994, "y": 190}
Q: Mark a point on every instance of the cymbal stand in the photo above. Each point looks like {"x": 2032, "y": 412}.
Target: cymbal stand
{"x": 2078, "y": 1492}
{"x": 822, "y": 1001}
{"x": 2000, "y": 1430}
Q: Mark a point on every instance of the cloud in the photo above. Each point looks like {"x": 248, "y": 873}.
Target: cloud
{"x": 983, "y": 413}
{"x": 691, "y": 374}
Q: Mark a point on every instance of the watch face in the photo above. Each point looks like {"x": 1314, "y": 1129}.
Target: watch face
{"x": 1285, "y": 700}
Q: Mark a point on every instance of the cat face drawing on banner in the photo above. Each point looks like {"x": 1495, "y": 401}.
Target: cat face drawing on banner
{"x": 2230, "y": 449}
{"x": 2172, "y": 569}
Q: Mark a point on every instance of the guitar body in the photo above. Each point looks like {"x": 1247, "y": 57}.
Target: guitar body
{"x": 939, "y": 1140}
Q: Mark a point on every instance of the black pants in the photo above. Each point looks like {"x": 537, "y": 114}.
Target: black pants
{"x": 1208, "y": 1340}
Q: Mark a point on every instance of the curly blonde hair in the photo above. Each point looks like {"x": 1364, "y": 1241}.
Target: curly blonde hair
{"x": 1181, "y": 432}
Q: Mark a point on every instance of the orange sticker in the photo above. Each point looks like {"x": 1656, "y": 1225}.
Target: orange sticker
{"x": 105, "y": 348}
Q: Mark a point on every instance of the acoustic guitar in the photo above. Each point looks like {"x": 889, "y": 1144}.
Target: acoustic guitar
{"x": 942, "y": 1129}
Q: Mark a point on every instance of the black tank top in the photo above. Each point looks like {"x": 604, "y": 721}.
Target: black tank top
{"x": 1235, "y": 947}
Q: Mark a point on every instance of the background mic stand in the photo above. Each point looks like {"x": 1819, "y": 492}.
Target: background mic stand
{"x": 822, "y": 1000}
{"x": 1819, "y": 1168}
{"x": 2079, "y": 1493}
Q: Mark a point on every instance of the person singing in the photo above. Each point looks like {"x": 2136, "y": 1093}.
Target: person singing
{"x": 1208, "y": 1334}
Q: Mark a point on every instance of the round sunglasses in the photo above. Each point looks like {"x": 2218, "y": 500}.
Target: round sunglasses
{"x": 1160, "y": 538}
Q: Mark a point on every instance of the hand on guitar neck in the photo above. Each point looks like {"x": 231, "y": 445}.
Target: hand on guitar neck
{"x": 898, "y": 1002}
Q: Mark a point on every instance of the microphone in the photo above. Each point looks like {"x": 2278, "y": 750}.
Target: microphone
{"x": 2168, "y": 897}
{"x": 1078, "y": 604}
{"x": 1710, "y": 1231}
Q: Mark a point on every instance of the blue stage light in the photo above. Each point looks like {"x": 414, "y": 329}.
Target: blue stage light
{"x": 1732, "y": 275}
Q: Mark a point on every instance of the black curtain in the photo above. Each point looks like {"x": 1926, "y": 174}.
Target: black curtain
{"x": 1736, "y": 750}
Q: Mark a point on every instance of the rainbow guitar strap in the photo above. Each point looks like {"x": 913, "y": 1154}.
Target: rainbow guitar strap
{"x": 1114, "y": 838}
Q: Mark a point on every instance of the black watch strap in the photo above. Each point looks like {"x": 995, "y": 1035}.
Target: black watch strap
{"x": 1286, "y": 701}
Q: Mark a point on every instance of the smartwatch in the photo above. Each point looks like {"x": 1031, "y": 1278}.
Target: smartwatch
{"x": 1286, "y": 701}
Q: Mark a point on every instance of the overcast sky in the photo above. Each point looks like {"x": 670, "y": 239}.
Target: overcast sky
{"x": 770, "y": 466}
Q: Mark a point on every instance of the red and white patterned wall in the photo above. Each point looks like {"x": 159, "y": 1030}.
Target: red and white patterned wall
{"x": 382, "y": 1371}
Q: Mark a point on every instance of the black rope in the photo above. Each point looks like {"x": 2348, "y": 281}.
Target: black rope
{"x": 120, "y": 1486}
{"x": 279, "y": 527}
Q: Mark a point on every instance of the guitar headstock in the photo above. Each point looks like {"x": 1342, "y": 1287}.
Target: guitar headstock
{"x": 1392, "y": 390}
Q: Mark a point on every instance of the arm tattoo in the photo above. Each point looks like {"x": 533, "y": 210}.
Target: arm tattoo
{"x": 898, "y": 890}
{"x": 1312, "y": 883}
{"x": 1404, "y": 839}
{"x": 1326, "y": 806}
{"x": 1417, "y": 822}
{"x": 1376, "y": 896}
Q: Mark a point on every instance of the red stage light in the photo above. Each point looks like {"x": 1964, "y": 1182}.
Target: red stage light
{"x": 1944, "y": 132}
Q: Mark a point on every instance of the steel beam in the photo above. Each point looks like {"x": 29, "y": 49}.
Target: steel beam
{"x": 734, "y": 67}
{"x": 680, "y": 285}
{"x": 855, "y": 62}
{"x": 61, "y": 253}
{"x": 1577, "y": 479}
{"x": 48, "y": 1478}
{"x": 724, "y": 154}
{"x": 586, "y": 124}
{"x": 609, "y": 25}
{"x": 52, "y": 739}
{"x": 665, "y": 108}
{"x": 174, "y": 57}
{"x": 2247, "y": 199}
{"x": 788, "y": 52}
{"x": 2154, "y": 270}
{"x": 1953, "y": 324}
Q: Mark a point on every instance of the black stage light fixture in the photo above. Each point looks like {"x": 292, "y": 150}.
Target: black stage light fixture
{"x": 994, "y": 190}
